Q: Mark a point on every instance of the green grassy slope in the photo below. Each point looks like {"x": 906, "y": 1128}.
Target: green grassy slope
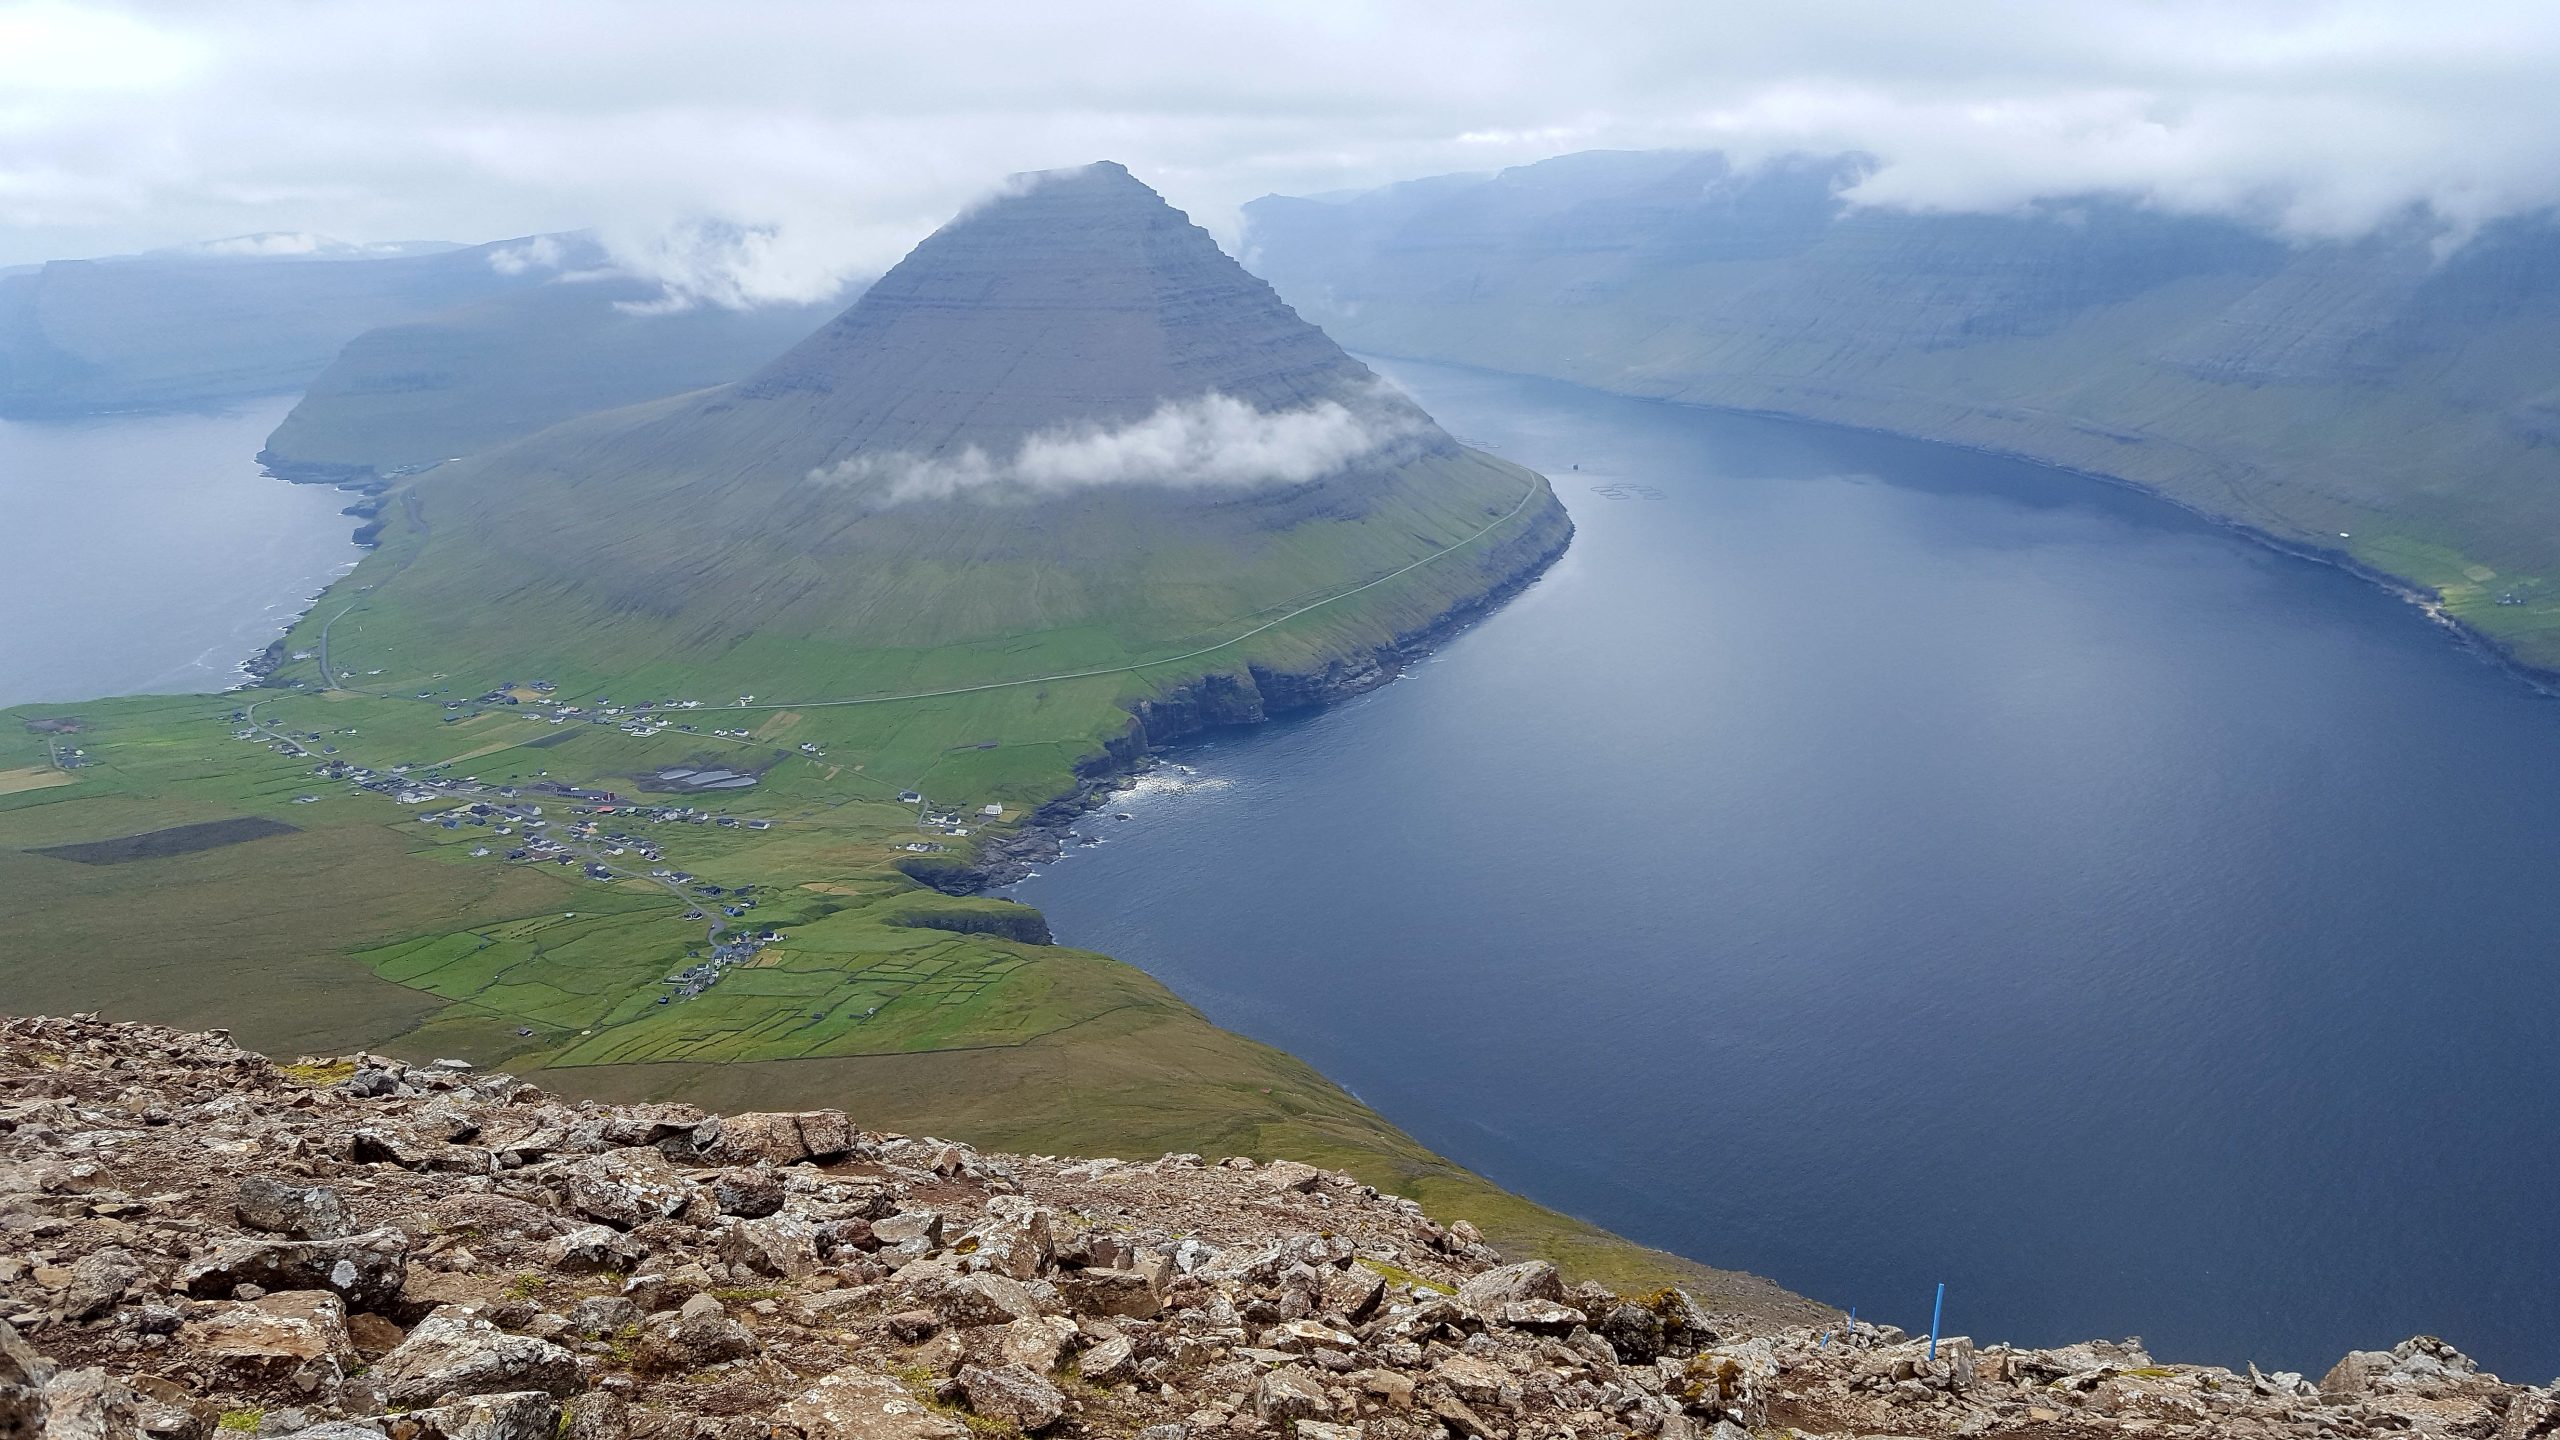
{"x": 997, "y": 650}
{"x": 2366, "y": 388}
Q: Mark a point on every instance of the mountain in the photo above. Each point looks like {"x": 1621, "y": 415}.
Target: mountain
{"x": 181, "y": 328}
{"x": 1067, "y": 431}
{"x": 507, "y": 364}
{"x": 2389, "y": 388}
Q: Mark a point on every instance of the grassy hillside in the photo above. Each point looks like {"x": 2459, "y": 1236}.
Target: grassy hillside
{"x": 589, "y": 619}
{"x": 360, "y": 925}
{"x": 2372, "y": 388}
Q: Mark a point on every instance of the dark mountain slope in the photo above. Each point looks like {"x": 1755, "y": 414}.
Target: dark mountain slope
{"x": 1067, "y": 432}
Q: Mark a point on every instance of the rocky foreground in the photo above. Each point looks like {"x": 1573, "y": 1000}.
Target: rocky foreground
{"x": 196, "y": 1243}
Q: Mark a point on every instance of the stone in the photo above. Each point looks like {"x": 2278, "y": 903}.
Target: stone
{"x": 1125, "y": 1294}
{"x": 514, "y": 1415}
{"x": 1487, "y": 1293}
{"x": 297, "y": 1212}
{"x": 1287, "y": 1394}
{"x": 966, "y": 1300}
{"x": 783, "y": 1138}
{"x": 91, "y": 1405}
{"x": 374, "y": 1336}
{"x": 1288, "y": 1176}
{"x": 1634, "y": 1332}
{"x": 1546, "y": 1317}
{"x": 779, "y": 1245}
{"x": 268, "y": 1340}
{"x": 98, "y": 1281}
{"x": 455, "y": 1352}
{"x": 365, "y": 1270}
{"x": 748, "y": 1194}
{"x": 1454, "y": 1413}
{"x": 1476, "y": 1380}
{"x": 602, "y": 1315}
{"x": 597, "y": 1415}
{"x": 1304, "y": 1337}
{"x": 1388, "y": 1385}
{"x": 591, "y": 1249}
{"x": 1014, "y": 1394}
{"x": 1319, "y": 1430}
{"x": 625, "y": 1188}
{"x": 698, "y": 1335}
{"x": 496, "y": 1217}
{"x": 1113, "y": 1360}
{"x": 1037, "y": 1342}
{"x": 1020, "y": 1245}
{"x": 23, "y": 1374}
{"x": 856, "y": 1405}
{"x": 1353, "y": 1293}
{"x": 909, "y": 1227}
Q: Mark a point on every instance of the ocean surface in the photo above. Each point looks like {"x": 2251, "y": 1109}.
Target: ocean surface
{"x": 148, "y": 554}
{"x": 1872, "y": 864}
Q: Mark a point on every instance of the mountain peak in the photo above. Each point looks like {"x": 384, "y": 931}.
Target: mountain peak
{"x": 1073, "y": 297}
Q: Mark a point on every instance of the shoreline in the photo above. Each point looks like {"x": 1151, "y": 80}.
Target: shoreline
{"x": 1217, "y": 702}
{"x": 2542, "y": 680}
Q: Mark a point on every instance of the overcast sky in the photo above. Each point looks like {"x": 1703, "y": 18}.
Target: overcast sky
{"x": 838, "y": 133}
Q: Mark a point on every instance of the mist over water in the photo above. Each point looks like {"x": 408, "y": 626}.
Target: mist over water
{"x": 1872, "y": 864}
{"x": 148, "y": 554}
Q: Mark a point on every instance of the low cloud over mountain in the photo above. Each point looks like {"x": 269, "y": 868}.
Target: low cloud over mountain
{"x": 1211, "y": 441}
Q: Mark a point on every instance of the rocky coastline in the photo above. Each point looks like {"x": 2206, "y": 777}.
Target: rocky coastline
{"x": 1219, "y": 701}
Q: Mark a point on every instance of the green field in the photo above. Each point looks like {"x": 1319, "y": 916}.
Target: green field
{"x": 362, "y": 927}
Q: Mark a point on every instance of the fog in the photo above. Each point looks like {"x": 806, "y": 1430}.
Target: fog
{"x": 768, "y": 152}
{"x": 1209, "y": 441}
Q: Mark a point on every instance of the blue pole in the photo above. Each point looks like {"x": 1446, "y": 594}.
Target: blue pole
{"x": 1935, "y": 1310}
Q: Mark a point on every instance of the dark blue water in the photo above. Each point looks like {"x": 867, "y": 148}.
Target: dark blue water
{"x": 1872, "y": 864}
{"x": 149, "y": 554}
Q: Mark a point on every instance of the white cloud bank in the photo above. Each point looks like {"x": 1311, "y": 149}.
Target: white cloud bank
{"x": 1209, "y": 442}
{"x": 768, "y": 151}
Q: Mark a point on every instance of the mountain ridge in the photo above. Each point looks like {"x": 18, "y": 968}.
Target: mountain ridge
{"x": 2367, "y": 401}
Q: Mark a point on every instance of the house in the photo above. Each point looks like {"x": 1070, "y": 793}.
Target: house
{"x": 991, "y": 811}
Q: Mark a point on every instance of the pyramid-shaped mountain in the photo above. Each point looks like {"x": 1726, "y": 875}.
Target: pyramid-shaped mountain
{"x": 1079, "y": 298}
{"x": 1066, "y": 428}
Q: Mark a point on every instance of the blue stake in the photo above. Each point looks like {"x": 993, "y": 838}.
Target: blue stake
{"x": 1936, "y": 1310}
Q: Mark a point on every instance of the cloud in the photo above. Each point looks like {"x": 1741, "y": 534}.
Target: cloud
{"x": 1209, "y": 442}
{"x": 272, "y": 244}
{"x": 761, "y": 152}
{"x": 542, "y": 252}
